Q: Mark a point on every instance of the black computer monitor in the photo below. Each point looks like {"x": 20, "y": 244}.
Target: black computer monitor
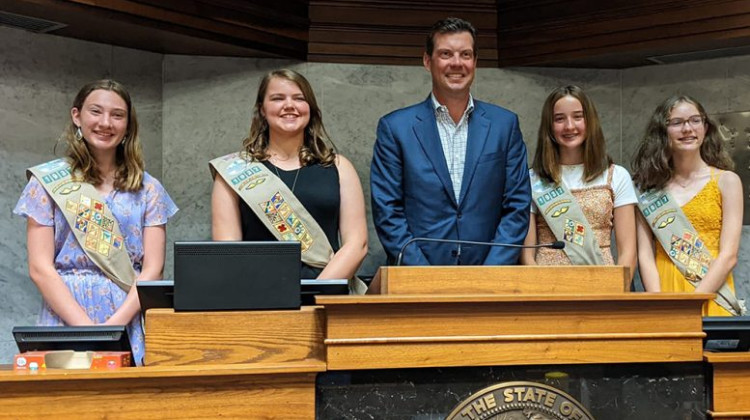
{"x": 155, "y": 294}
{"x": 727, "y": 333}
{"x": 229, "y": 275}
{"x": 83, "y": 338}
{"x": 313, "y": 287}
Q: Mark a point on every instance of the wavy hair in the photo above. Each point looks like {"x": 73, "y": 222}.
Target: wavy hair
{"x": 129, "y": 154}
{"x": 317, "y": 146}
{"x": 652, "y": 163}
{"x": 546, "y": 162}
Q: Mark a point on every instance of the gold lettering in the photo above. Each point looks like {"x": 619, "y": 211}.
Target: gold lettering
{"x": 489, "y": 399}
{"x": 529, "y": 395}
{"x": 479, "y": 406}
{"x": 508, "y": 394}
{"x": 549, "y": 401}
{"x": 519, "y": 392}
{"x": 468, "y": 412}
{"x": 566, "y": 408}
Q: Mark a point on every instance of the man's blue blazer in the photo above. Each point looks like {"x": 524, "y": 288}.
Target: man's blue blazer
{"x": 412, "y": 192}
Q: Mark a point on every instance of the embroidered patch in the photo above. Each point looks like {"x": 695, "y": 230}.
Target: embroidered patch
{"x": 666, "y": 222}
{"x": 104, "y": 248}
{"x": 574, "y": 232}
{"x": 560, "y": 212}
{"x": 73, "y": 188}
{"x": 285, "y": 221}
{"x": 108, "y": 224}
{"x": 71, "y": 206}
{"x": 81, "y": 224}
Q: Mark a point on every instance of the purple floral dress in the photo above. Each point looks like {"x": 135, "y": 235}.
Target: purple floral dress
{"x": 97, "y": 295}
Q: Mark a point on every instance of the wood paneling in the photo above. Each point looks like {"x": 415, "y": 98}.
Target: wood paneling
{"x": 382, "y": 331}
{"x": 239, "y": 391}
{"x": 258, "y": 337}
{"x": 392, "y": 31}
{"x": 616, "y": 33}
{"x": 499, "y": 280}
{"x": 730, "y": 397}
{"x": 207, "y": 27}
{"x": 563, "y": 33}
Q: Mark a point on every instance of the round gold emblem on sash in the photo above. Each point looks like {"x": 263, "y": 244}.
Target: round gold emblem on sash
{"x": 520, "y": 401}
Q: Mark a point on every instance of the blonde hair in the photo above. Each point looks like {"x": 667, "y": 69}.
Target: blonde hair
{"x": 128, "y": 156}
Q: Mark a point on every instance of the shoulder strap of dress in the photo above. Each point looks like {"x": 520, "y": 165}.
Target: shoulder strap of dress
{"x": 716, "y": 173}
{"x": 610, "y": 174}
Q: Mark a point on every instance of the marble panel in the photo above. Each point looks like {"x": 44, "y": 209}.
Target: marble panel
{"x": 612, "y": 392}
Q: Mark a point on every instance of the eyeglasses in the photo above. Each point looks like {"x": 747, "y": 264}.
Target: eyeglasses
{"x": 695, "y": 121}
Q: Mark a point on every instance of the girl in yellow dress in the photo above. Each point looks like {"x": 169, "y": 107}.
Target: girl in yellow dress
{"x": 683, "y": 154}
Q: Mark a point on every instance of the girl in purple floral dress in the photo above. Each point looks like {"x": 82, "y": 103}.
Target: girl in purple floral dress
{"x": 105, "y": 151}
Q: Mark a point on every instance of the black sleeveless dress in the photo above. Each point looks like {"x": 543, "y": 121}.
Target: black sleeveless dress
{"x": 317, "y": 188}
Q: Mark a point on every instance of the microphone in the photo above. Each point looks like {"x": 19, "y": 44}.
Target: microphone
{"x": 552, "y": 245}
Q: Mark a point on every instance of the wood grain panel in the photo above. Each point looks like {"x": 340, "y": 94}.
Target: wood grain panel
{"x": 543, "y": 32}
{"x": 542, "y": 352}
{"x": 731, "y": 384}
{"x": 149, "y": 394}
{"x": 501, "y": 280}
{"x": 259, "y": 337}
{"x": 392, "y": 31}
{"x": 389, "y": 331}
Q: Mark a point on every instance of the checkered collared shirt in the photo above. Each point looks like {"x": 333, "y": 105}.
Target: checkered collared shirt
{"x": 453, "y": 138}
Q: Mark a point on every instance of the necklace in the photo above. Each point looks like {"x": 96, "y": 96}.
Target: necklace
{"x": 296, "y": 175}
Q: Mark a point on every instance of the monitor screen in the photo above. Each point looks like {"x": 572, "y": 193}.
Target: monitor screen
{"x": 229, "y": 275}
{"x": 159, "y": 293}
{"x": 727, "y": 333}
{"x": 155, "y": 294}
{"x": 313, "y": 287}
{"x": 83, "y": 338}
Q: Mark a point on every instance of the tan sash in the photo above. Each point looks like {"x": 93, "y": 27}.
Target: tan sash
{"x": 277, "y": 208}
{"x": 564, "y": 216}
{"x": 90, "y": 219}
{"x": 681, "y": 242}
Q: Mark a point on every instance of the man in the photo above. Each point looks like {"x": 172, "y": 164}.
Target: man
{"x": 451, "y": 167}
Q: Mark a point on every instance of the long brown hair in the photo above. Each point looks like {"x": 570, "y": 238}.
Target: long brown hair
{"x": 129, "y": 154}
{"x": 652, "y": 163}
{"x": 317, "y": 145}
{"x": 547, "y": 156}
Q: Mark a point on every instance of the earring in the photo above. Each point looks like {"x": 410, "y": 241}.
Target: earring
{"x": 79, "y": 134}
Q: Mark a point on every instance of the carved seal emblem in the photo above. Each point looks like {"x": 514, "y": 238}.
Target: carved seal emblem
{"x": 520, "y": 401}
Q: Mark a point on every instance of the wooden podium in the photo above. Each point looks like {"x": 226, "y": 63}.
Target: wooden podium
{"x": 501, "y": 280}
{"x": 263, "y": 364}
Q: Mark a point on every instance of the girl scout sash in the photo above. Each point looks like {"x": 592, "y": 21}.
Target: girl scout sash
{"x": 278, "y": 209}
{"x": 681, "y": 242}
{"x": 565, "y": 218}
{"x": 90, "y": 219}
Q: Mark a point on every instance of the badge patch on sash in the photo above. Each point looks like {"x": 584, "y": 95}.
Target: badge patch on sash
{"x": 98, "y": 228}
{"x": 285, "y": 221}
{"x": 574, "y": 232}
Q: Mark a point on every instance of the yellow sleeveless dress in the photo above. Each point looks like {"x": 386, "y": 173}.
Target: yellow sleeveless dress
{"x": 704, "y": 213}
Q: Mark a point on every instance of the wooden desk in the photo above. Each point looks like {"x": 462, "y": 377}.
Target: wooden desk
{"x": 402, "y": 331}
{"x": 730, "y": 397}
{"x": 205, "y": 391}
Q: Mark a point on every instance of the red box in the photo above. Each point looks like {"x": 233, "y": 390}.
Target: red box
{"x": 68, "y": 359}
